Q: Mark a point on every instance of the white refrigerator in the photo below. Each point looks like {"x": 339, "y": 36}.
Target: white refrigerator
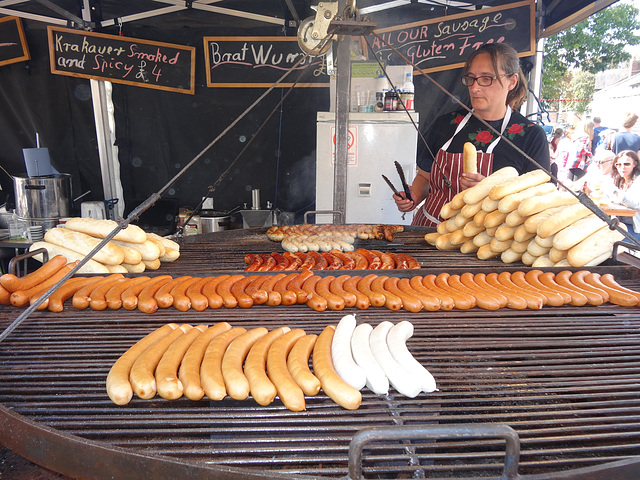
{"x": 376, "y": 140}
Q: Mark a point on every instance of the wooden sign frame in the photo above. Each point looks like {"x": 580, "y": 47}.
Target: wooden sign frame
{"x": 464, "y": 32}
{"x": 15, "y": 43}
{"x": 252, "y": 56}
{"x": 113, "y": 58}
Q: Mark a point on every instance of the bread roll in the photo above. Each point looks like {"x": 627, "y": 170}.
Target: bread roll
{"x": 511, "y": 202}
{"x": 468, "y": 247}
{"x": 109, "y": 254}
{"x": 478, "y": 192}
{"x": 90, "y": 267}
{"x": 481, "y": 239}
{"x": 533, "y": 205}
{"x": 471, "y": 229}
{"x": 485, "y": 252}
{"x": 443, "y": 243}
{"x": 469, "y": 158}
{"x": 520, "y": 247}
{"x": 138, "y": 268}
{"x": 470, "y": 209}
{"x": 543, "y": 261}
{"x": 494, "y": 219}
{"x": 447, "y": 211}
{"x": 576, "y": 232}
{"x": 170, "y": 255}
{"x": 431, "y": 238}
{"x": 148, "y": 249}
{"x": 102, "y": 228}
{"x": 531, "y": 223}
{"x": 165, "y": 241}
{"x": 499, "y": 246}
{"x": 505, "y": 232}
{"x": 536, "y": 250}
{"x": 598, "y": 245}
{"x": 478, "y": 218}
{"x": 457, "y": 202}
{"x": 521, "y": 234}
{"x": 544, "y": 242}
{"x": 510, "y": 256}
{"x": 513, "y": 219}
{"x": 562, "y": 219}
{"x": 458, "y": 237}
{"x": 524, "y": 181}
{"x": 555, "y": 254}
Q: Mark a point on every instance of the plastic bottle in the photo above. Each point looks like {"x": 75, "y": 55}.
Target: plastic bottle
{"x": 408, "y": 93}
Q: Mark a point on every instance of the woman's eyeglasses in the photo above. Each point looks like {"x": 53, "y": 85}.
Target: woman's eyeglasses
{"x": 483, "y": 80}
{"x": 623, "y": 164}
{"x": 603, "y": 162}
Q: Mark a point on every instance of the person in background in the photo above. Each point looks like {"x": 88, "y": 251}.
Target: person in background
{"x": 606, "y": 139}
{"x": 597, "y": 129}
{"x": 582, "y": 147}
{"x": 598, "y": 174}
{"x": 497, "y": 88}
{"x": 625, "y": 139}
{"x": 564, "y": 152}
{"x": 558, "y": 133}
{"x": 625, "y": 187}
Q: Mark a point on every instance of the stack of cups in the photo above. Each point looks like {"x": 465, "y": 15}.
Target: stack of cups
{"x": 36, "y": 233}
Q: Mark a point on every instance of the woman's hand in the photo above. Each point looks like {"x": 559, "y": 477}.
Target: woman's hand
{"x": 404, "y": 204}
{"x": 468, "y": 180}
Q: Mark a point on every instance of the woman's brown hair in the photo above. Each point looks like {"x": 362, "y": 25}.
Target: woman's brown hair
{"x": 618, "y": 179}
{"x": 505, "y": 56}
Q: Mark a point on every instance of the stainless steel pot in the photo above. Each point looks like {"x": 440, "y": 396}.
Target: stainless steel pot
{"x": 43, "y": 199}
{"x": 216, "y": 223}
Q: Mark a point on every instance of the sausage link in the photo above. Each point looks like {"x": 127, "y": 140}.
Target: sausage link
{"x": 321, "y": 263}
{"x": 409, "y": 302}
{"x": 337, "y": 288}
{"x": 20, "y": 298}
{"x": 5, "y": 296}
{"x": 281, "y": 262}
{"x": 412, "y": 263}
{"x": 13, "y": 283}
{"x": 333, "y": 262}
{"x": 114, "y": 295}
{"x": 238, "y": 290}
{"x": 99, "y": 294}
{"x": 289, "y": 297}
{"x": 262, "y": 389}
{"x": 348, "y": 263}
{"x": 64, "y": 292}
{"x": 480, "y": 279}
{"x": 514, "y": 300}
{"x": 373, "y": 260}
{"x": 256, "y": 292}
{"x": 376, "y": 299}
{"x": 360, "y": 260}
{"x": 564, "y": 279}
{"x": 334, "y": 302}
{"x": 199, "y": 301}
{"x": 518, "y": 278}
{"x": 351, "y": 285}
{"x": 483, "y": 300}
{"x": 211, "y": 377}
{"x": 141, "y": 377}
{"x": 295, "y": 285}
{"x": 181, "y": 301}
{"x": 298, "y": 365}
{"x": 268, "y": 263}
{"x": 289, "y": 392}
{"x": 234, "y": 378}
{"x": 616, "y": 296}
{"x": 461, "y": 300}
{"x": 610, "y": 281}
{"x": 444, "y": 301}
{"x": 146, "y": 298}
{"x": 209, "y": 290}
{"x": 337, "y": 389}
{"x": 577, "y": 299}
{"x": 130, "y": 295}
{"x": 274, "y": 298}
{"x": 391, "y": 301}
{"x": 168, "y": 384}
{"x": 308, "y": 263}
{"x": 534, "y": 302}
{"x": 556, "y": 298}
{"x": 315, "y": 301}
{"x": 253, "y": 261}
{"x": 82, "y": 298}
{"x": 189, "y": 371}
{"x": 118, "y": 385}
{"x": 163, "y": 296}
{"x": 224, "y": 290}
{"x": 295, "y": 262}
{"x": 578, "y": 279}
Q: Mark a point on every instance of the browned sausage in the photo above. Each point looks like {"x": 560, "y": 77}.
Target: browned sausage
{"x": 163, "y": 295}
{"x": 181, "y": 301}
{"x": 556, "y": 297}
{"x": 294, "y": 261}
{"x": 564, "y": 279}
{"x": 295, "y": 285}
{"x": 351, "y": 285}
{"x": 82, "y": 298}
{"x": 238, "y": 290}
{"x": 439, "y": 297}
{"x": 20, "y": 298}
{"x": 391, "y": 301}
{"x": 289, "y": 297}
{"x": 359, "y": 259}
{"x": 315, "y": 302}
{"x": 480, "y": 279}
{"x": 409, "y": 302}
{"x": 348, "y": 263}
{"x": 13, "y": 283}
{"x": 534, "y": 302}
{"x": 518, "y": 278}
{"x": 199, "y": 301}
{"x": 334, "y": 302}
{"x": 577, "y": 299}
{"x": 376, "y": 299}
{"x": 209, "y": 290}
{"x": 274, "y": 298}
{"x": 610, "y": 281}
{"x": 256, "y": 292}
{"x": 253, "y": 261}
{"x": 483, "y": 300}
{"x": 577, "y": 278}
{"x": 337, "y": 288}
{"x": 114, "y": 295}
{"x": 616, "y": 296}
{"x": 461, "y": 299}
{"x": 374, "y": 261}
{"x": 224, "y": 290}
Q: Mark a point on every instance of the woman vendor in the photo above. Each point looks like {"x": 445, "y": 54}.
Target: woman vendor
{"x": 497, "y": 87}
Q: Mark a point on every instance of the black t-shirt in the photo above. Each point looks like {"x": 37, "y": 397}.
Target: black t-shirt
{"x": 527, "y": 136}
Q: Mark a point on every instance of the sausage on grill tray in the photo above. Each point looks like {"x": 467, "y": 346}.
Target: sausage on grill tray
{"x": 376, "y": 299}
{"x": 444, "y": 301}
{"x": 609, "y": 280}
{"x": 616, "y": 296}
{"x": 555, "y": 298}
{"x": 288, "y": 296}
{"x": 578, "y": 279}
{"x": 429, "y": 302}
{"x": 211, "y": 377}
{"x": 118, "y": 385}
{"x": 224, "y": 290}
{"x": 114, "y": 295}
{"x": 462, "y": 300}
{"x": 360, "y": 260}
{"x": 374, "y": 261}
{"x": 181, "y": 301}
{"x": 514, "y": 300}
{"x": 391, "y": 301}
{"x": 189, "y": 372}
{"x": 256, "y": 292}
{"x": 484, "y": 299}
{"x": 253, "y": 261}
{"x": 336, "y": 286}
{"x": 82, "y": 298}
{"x": 295, "y": 285}
{"x": 168, "y": 384}
{"x": 13, "y": 283}
{"x": 577, "y": 299}
{"x": 20, "y": 298}
{"x": 351, "y": 285}
{"x": 275, "y": 298}
{"x": 294, "y": 261}
{"x": 298, "y": 365}
{"x": 209, "y": 290}
{"x": 262, "y": 389}
{"x": 130, "y": 295}
{"x": 235, "y": 380}
{"x": 199, "y": 302}
{"x": 315, "y": 301}
{"x": 337, "y": 389}
{"x": 289, "y": 392}
{"x": 334, "y": 302}
{"x": 63, "y": 293}
{"x": 564, "y": 279}
{"x": 238, "y": 290}
{"x": 141, "y": 377}
{"x": 409, "y": 302}
{"x": 98, "y": 299}
{"x": 534, "y": 302}
{"x": 146, "y": 298}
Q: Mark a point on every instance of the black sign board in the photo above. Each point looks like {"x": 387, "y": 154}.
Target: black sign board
{"x": 132, "y": 61}
{"x": 13, "y": 45}
{"x": 260, "y": 62}
{"x": 444, "y": 43}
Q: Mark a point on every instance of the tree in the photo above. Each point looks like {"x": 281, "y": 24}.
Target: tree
{"x": 594, "y": 45}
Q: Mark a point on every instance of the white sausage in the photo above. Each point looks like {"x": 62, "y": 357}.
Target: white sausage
{"x": 377, "y": 381}
{"x": 397, "y": 342}
{"x": 343, "y": 361}
{"x": 401, "y": 379}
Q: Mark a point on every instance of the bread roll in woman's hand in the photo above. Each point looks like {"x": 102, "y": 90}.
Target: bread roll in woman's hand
{"x": 469, "y": 158}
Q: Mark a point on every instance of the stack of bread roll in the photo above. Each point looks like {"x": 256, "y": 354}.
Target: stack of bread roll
{"x": 132, "y": 250}
{"x": 524, "y": 218}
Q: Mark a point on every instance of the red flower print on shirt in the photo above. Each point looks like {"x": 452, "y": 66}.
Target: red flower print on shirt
{"x": 515, "y": 129}
{"x": 483, "y": 137}
{"x": 457, "y": 119}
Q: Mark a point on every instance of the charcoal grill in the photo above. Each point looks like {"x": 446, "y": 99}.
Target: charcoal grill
{"x": 561, "y": 386}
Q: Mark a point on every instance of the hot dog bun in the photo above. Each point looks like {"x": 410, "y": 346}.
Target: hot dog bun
{"x": 469, "y": 158}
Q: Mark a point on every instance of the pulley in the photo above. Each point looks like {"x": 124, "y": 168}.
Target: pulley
{"x": 313, "y": 37}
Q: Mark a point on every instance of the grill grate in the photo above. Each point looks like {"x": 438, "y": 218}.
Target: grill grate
{"x": 566, "y": 379}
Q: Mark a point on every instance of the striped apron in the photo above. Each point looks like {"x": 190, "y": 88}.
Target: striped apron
{"x": 451, "y": 164}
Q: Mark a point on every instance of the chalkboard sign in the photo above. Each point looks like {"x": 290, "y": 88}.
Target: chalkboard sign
{"x": 13, "y": 45}
{"x": 444, "y": 43}
{"x": 132, "y": 61}
{"x": 260, "y": 62}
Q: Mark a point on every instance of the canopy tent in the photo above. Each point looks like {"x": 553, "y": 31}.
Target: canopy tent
{"x": 157, "y": 133}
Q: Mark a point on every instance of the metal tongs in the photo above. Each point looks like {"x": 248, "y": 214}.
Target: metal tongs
{"x": 405, "y": 185}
